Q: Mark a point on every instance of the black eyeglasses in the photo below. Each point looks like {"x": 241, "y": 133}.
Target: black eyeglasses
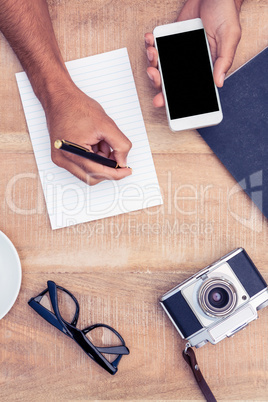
{"x": 63, "y": 302}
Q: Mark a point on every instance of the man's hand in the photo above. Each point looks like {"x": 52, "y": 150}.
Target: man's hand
{"x": 70, "y": 114}
{"x": 75, "y": 117}
{"x": 221, "y": 23}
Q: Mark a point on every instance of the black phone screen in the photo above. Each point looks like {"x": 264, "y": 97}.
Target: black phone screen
{"x": 187, "y": 74}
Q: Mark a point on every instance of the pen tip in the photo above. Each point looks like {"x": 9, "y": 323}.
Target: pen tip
{"x": 58, "y": 144}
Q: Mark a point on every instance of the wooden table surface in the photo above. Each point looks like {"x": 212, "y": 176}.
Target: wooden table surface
{"x": 119, "y": 267}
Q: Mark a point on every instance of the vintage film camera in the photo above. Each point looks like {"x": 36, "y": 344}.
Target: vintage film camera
{"x": 218, "y": 301}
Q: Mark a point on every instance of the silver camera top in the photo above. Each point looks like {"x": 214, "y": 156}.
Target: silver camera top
{"x": 218, "y": 301}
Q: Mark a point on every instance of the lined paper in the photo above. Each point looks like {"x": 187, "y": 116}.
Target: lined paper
{"x": 108, "y": 79}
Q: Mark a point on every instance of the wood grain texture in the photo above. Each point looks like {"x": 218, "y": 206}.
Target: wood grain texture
{"x": 119, "y": 267}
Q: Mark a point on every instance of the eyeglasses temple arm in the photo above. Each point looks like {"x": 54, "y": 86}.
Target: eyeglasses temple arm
{"x": 52, "y": 288}
{"x": 114, "y": 350}
{"x": 47, "y": 315}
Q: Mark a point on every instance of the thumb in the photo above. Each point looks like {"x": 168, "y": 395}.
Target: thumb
{"x": 227, "y": 42}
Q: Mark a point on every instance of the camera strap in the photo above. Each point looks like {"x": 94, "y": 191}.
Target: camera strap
{"x": 189, "y": 357}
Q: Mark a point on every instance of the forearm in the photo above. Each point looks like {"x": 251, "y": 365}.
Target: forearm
{"x": 27, "y": 26}
{"x": 238, "y": 4}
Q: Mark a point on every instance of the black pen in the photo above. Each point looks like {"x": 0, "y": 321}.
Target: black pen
{"x": 85, "y": 153}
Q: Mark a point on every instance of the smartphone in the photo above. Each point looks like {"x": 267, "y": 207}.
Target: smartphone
{"x": 185, "y": 65}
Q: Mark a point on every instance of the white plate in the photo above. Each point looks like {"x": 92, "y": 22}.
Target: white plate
{"x": 10, "y": 274}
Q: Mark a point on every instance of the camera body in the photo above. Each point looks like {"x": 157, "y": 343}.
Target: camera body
{"x": 218, "y": 301}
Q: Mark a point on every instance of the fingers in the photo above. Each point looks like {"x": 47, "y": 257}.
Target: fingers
{"x": 102, "y": 148}
{"x": 75, "y": 170}
{"x": 118, "y": 142}
{"x": 151, "y": 51}
{"x": 149, "y": 39}
{"x": 154, "y": 76}
{"x": 89, "y": 172}
{"x": 152, "y": 56}
{"x": 152, "y": 71}
{"x": 227, "y": 41}
{"x": 159, "y": 100}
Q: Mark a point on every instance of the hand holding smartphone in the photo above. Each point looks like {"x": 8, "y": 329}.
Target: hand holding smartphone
{"x": 185, "y": 66}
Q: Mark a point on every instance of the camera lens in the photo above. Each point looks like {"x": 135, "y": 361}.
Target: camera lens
{"x": 217, "y": 297}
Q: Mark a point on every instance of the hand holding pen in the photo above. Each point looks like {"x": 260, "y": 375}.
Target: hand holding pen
{"x": 76, "y": 149}
{"x": 82, "y": 122}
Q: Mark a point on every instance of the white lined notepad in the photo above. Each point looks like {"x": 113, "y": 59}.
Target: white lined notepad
{"x": 109, "y": 80}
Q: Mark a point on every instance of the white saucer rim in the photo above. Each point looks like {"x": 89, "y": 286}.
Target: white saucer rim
{"x": 13, "y": 300}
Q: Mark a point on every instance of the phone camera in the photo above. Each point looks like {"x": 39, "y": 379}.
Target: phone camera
{"x": 217, "y": 297}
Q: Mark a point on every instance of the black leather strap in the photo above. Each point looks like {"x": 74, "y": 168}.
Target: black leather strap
{"x": 189, "y": 357}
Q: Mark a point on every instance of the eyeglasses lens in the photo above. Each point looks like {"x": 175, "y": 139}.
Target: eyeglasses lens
{"x": 104, "y": 337}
